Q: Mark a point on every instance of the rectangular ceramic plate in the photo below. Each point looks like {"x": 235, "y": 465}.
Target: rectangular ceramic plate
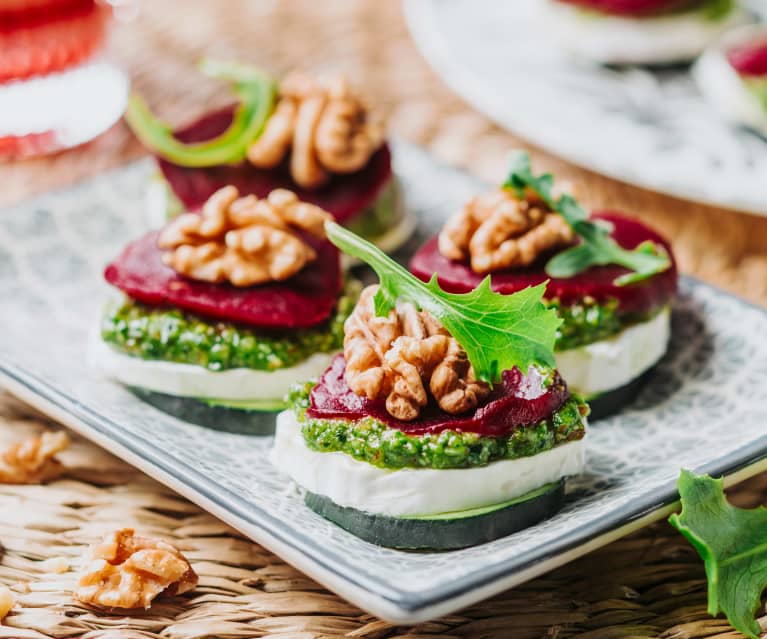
{"x": 704, "y": 408}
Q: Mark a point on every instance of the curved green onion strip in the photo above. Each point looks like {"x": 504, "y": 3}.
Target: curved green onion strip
{"x": 256, "y": 92}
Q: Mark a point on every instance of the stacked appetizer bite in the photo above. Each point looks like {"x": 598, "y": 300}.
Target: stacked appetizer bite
{"x": 223, "y": 310}
{"x": 612, "y": 279}
{"x": 732, "y": 75}
{"x": 443, "y": 424}
{"x": 652, "y": 32}
{"x": 314, "y": 136}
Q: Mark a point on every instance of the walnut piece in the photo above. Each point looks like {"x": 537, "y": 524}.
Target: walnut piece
{"x": 33, "y": 461}
{"x": 404, "y": 358}
{"x": 496, "y": 231}
{"x": 324, "y": 126}
{"x": 127, "y": 571}
{"x": 243, "y": 240}
{"x": 7, "y": 602}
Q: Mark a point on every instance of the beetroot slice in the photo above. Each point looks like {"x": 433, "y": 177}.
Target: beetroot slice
{"x": 597, "y": 282}
{"x": 750, "y": 59}
{"x": 635, "y": 8}
{"x": 518, "y": 400}
{"x": 344, "y": 196}
{"x": 304, "y": 300}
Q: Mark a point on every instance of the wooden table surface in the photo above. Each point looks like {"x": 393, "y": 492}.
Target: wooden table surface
{"x": 159, "y": 42}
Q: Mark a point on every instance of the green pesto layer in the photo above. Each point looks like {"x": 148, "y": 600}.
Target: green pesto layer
{"x": 175, "y": 336}
{"x": 758, "y": 87}
{"x": 589, "y": 321}
{"x": 381, "y": 216}
{"x": 374, "y": 442}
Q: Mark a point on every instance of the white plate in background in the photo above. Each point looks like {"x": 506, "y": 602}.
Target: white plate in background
{"x": 648, "y": 128}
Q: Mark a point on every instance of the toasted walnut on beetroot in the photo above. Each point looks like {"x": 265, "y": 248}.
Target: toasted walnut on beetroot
{"x": 128, "y": 571}
{"x": 497, "y": 231}
{"x": 404, "y": 358}
{"x": 324, "y": 126}
{"x": 243, "y": 240}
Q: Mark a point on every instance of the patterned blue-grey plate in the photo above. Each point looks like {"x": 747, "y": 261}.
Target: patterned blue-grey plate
{"x": 650, "y": 128}
{"x": 704, "y": 408}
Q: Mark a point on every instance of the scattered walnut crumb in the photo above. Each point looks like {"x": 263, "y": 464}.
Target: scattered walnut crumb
{"x": 405, "y": 356}
{"x": 7, "y": 601}
{"x": 324, "y": 126}
{"x": 33, "y": 460}
{"x": 129, "y": 571}
{"x": 243, "y": 240}
{"x": 57, "y": 565}
{"x": 496, "y": 231}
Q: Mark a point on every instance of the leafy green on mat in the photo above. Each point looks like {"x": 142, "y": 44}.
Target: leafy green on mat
{"x": 497, "y": 332}
{"x": 733, "y": 545}
{"x": 256, "y": 92}
{"x": 596, "y": 247}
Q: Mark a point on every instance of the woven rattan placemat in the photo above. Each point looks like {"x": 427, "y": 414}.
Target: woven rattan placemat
{"x": 647, "y": 585}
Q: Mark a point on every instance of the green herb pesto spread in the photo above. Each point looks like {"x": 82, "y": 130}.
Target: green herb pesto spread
{"x": 175, "y": 336}
{"x": 380, "y": 216}
{"x": 374, "y": 442}
{"x": 588, "y": 322}
{"x": 758, "y": 88}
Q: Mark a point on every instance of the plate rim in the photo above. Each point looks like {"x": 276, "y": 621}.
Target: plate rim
{"x": 368, "y": 593}
{"x": 431, "y": 45}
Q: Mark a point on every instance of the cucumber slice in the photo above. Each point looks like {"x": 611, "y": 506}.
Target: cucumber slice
{"x": 225, "y": 417}
{"x": 613, "y": 401}
{"x": 259, "y": 405}
{"x": 449, "y": 531}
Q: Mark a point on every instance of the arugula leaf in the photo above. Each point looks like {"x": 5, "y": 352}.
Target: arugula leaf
{"x": 733, "y": 545}
{"x": 596, "y": 247}
{"x": 497, "y": 331}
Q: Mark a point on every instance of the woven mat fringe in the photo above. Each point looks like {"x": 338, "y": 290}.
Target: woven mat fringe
{"x": 650, "y": 584}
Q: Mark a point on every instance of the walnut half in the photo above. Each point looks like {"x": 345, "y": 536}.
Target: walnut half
{"x": 243, "y": 240}
{"x": 325, "y": 127}
{"x": 7, "y": 602}
{"x": 33, "y": 460}
{"x": 496, "y": 231}
{"x": 406, "y": 357}
{"x": 127, "y": 571}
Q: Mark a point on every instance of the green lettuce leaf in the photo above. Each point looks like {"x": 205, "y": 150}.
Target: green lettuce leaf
{"x": 497, "y": 332}
{"x": 733, "y": 545}
{"x": 596, "y": 247}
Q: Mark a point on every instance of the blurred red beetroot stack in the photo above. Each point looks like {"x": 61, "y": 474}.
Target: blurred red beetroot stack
{"x": 634, "y": 8}
{"x": 41, "y": 39}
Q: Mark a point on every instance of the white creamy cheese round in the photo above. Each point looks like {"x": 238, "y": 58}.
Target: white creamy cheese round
{"x": 724, "y": 89}
{"x": 611, "y": 363}
{"x": 611, "y": 39}
{"x": 188, "y": 380}
{"x": 415, "y": 491}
